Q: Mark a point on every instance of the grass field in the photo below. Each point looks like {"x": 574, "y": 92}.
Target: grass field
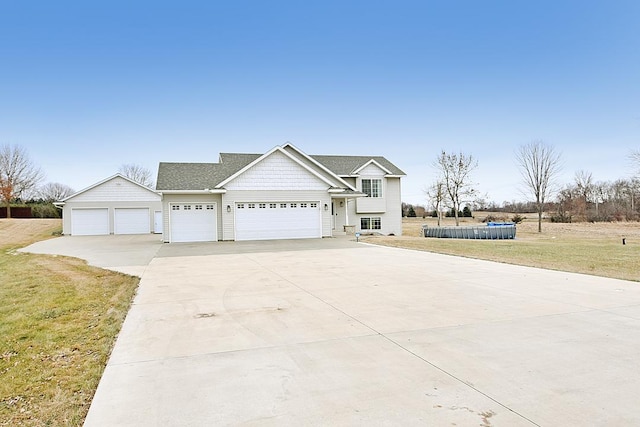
{"x": 58, "y": 321}
{"x": 591, "y": 248}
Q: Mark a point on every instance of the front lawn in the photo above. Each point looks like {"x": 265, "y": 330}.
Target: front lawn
{"x": 59, "y": 319}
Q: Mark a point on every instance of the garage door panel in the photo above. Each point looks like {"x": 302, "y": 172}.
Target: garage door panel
{"x": 267, "y": 221}
{"x": 89, "y": 222}
{"x": 131, "y": 221}
{"x": 193, "y": 222}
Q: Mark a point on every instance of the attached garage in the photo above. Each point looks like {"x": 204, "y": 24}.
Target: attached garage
{"x": 280, "y": 220}
{"x": 89, "y": 222}
{"x": 131, "y": 221}
{"x": 193, "y": 222}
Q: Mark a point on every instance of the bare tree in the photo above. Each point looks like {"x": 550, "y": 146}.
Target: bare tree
{"x": 436, "y": 194}
{"x": 456, "y": 171}
{"x": 585, "y": 189}
{"x": 54, "y": 191}
{"x": 634, "y": 157}
{"x": 539, "y": 165}
{"x": 137, "y": 173}
{"x": 18, "y": 174}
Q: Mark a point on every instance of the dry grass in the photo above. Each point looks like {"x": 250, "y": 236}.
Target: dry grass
{"x": 590, "y": 248}
{"x": 58, "y": 321}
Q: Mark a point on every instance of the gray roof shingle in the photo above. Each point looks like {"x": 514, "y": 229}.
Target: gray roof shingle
{"x": 345, "y": 165}
{"x": 199, "y": 176}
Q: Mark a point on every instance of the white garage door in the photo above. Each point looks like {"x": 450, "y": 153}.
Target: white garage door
{"x": 131, "y": 221}
{"x": 89, "y": 222}
{"x": 193, "y": 222}
{"x": 282, "y": 220}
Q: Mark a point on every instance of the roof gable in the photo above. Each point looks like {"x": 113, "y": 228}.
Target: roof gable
{"x": 283, "y": 152}
{"x": 345, "y": 166}
{"x": 277, "y": 172}
{"x": 115, "y": 188}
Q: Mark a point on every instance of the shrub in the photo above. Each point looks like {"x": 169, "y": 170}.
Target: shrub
{"x": 561, "y": 218}
{"x": 44, "y": 210}
{"x": 517, "y": 218}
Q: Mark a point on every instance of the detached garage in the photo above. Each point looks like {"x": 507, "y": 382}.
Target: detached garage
{"x": 116, "y": 205}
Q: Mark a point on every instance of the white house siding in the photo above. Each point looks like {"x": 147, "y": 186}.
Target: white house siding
{"x": 393, "y": 215}
{"x": 390, "y": 217}
{"x": 118, "y": 189}
{"x": 168, "y": 199}
{"x": 277, "y": 178}
{"x": 230, "y": 198}
{"x": 277, "y": 172}
{"x": 313, "y": 166}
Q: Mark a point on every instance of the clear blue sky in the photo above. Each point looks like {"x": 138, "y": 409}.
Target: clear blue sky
{"x": 86, "y": 87}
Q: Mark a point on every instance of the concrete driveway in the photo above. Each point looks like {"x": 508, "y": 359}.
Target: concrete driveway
{"x": 331, "y": 332}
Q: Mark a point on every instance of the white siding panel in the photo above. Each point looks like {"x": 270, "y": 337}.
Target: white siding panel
{"x": 89, "y": 222}
{"x": 277, "y": 172}
{"x": 116, "y": 189}
{"x": 131, "y": 221}
{"x": 372, "y": 171}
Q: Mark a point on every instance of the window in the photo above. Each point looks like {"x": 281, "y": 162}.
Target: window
{"x": 272, "y": 205}
{"x": 370, "y": 223}
{"x": 314, "y": 205}
{"x": 372, "y": 187}
{"x": 198, "y": 207}
{"x": 283, "y": 205}
{"x": 303, "y": 205}
{"x": 209, "y": 207}
{"x": 240, "y": 205}
{"x": 294, "y": 205}
{"x": 262, "y": 205}
{"x": 175, "y": 207}
{"x": 187, "y": 207}
{"x": 251, "y": 205}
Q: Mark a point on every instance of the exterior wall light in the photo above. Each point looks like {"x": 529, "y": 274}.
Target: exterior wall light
{"x": 326, "y": 207}
{"x": 228, "y": 208}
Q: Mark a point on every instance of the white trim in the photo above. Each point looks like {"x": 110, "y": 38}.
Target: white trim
{"x": 118, "y": 175}
{"x": 357, "y": 171}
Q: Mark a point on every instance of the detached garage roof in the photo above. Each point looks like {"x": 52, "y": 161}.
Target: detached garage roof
{"x": 116, "y": 187}
{"x": 200, "y": 176}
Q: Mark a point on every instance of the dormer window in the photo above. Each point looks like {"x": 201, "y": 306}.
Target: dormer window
{"x": 372, "y": 187}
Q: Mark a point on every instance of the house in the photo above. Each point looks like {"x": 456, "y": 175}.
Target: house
{"x": 116, "y": 205}
{"x": 281, "y": 194}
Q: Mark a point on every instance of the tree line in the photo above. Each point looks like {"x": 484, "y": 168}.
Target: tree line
{"x": 539, "y": 165}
